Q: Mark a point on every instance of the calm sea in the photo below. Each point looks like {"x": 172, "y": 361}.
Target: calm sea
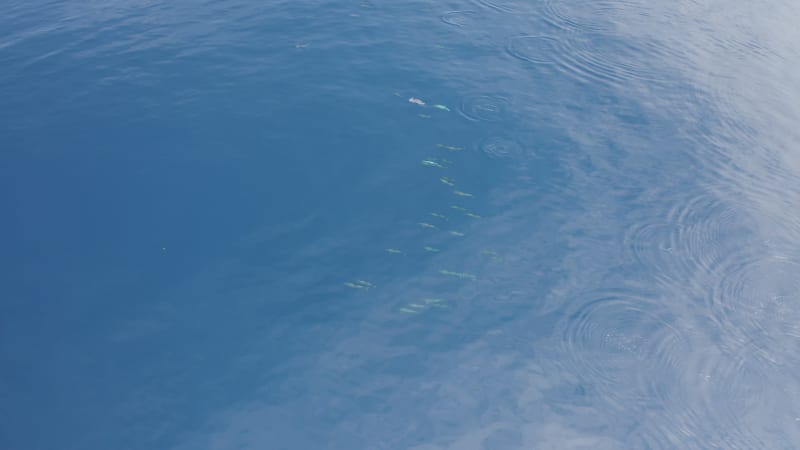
{"x": 486, "y": 224}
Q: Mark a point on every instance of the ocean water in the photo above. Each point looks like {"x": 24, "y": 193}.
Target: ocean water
{"x": 485, "y": 224}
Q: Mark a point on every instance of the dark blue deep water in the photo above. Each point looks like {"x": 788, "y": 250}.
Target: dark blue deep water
{"x": 485, "y": 224}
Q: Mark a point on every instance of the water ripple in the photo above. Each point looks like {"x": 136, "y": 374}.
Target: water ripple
{"x": 484, "y": 108}
{"x": 625, "y": 343}
{"x": 756, "y": 301}
{"x": 692, "y": 238}
{"x": 532, "y": 48}
{"x": 499, "y": 147}
{"x": 458, "y": 18}
{"x": 734, "y": 395}
{"x": 590, "y": 16}
{"x": 502, "y": 6}
{"x": 612, "y": 60}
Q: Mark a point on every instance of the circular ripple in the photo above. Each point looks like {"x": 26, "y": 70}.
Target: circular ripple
{"x": 709, "y": 230}
{"x": 534, "y": 49}
{"x": 458, "y": 18}
{"x": 591, "y": 16}
{"x": 498, "y": 147}
{"x": 734, "y": 389}
{"x": 503, "y": 6}
{"x": 624, "y": 344}
{"x": 484, "y": 108}
{"x": 654, "y": 247}
{"x": 688, "y": 243}
{"x": 612, "y": 59}
{"x": 756, "y": 301}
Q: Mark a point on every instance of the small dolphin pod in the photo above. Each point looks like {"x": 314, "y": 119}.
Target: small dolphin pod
{"x": 430, "y": 303}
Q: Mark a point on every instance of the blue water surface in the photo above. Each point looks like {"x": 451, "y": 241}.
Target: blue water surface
{"x": 485, "y": 224}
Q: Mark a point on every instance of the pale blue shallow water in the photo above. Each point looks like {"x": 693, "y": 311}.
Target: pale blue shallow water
{"x": 219, "y": 231}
